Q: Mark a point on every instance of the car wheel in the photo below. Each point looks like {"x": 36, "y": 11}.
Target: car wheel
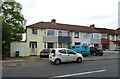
{"x": 101, "y": 54}
{"x": 79, "y": 60}
{"x": 95, "y": 54}
{"x": 86, "y": 55}
{"x": 57, "y": 61}
{"x": 41, "y": 56}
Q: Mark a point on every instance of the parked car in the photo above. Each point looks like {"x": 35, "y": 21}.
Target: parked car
{"x": 45, "y": 53}
{"x": 82, "y": 49}
{"x": 113, "y": 51}
{"x": 59, "y": 55}
{"x": 95, "y": 51}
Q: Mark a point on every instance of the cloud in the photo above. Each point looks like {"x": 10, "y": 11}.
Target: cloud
{"x": 102, "y": 13}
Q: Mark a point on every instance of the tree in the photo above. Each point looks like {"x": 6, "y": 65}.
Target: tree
{"x": 12, "y": 24}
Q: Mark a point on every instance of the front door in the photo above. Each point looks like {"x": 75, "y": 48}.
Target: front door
{"x": 33, "y": 46}
{"x": 50, "y": 45}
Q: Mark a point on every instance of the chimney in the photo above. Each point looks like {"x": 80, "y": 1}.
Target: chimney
{"x": 92, "y": 26}
{"x": 53, "y": 21}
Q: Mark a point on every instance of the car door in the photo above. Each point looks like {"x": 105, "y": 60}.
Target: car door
{"x": 63, "y": 55}
{"x": 72, "y": 56}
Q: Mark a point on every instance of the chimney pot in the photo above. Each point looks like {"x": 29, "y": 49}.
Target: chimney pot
{"x": 92, "y": 26}
{"x": 53, "y": 21}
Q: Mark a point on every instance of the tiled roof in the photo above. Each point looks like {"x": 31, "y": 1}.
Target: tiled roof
{"x": 59, "y": 26}
{"x": 108, "y": 31}
{"x": 118, "y": 31}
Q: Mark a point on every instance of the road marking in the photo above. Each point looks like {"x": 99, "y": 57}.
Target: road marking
{"x": 83, "y": 73}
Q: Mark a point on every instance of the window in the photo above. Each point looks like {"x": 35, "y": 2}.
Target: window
{"x": 33, "y": 45}
{"x": 45, "y": 45}
{"x": 64, "y": 45}
{"x": 34, "y": 31}
{"x": 54, "y": 45}
{"x": 45, "y": 32}
{"x": 62, "y": 51}
{"x": 113, "y": 37}
{"x": 84, "y": 35}
{"x": 84, "y": 43}
{"x": 118, "y": 37}
{"x": 51, "y": 32}
{"x": 92, "y": 36}
{"x": 84, "y": 46}
{"x": 104, "y": 36}
{"x": 76, "y": 34}
{"x": 97, "y": 36}
{"x": 70, "y": 52}
{"x": 63, "y": 33}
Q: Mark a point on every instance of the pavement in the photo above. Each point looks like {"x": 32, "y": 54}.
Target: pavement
{"x": 22, "y": 63}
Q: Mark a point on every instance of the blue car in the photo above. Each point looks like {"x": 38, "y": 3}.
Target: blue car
{"x": 82, "y": 49}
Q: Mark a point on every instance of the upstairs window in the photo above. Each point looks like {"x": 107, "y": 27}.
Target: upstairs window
{"x": 97, "y": 36}
{"x": 113, "y": 37}
{"x": 92, "y": 36}
{"x": 51, "y": 32}
{"x": 63, "y": 33}
{"x": 118, "y": 37}
{"x": 34, "y": 31}
{"x": 76, "y": 34}
{"x": 104, "y": 36}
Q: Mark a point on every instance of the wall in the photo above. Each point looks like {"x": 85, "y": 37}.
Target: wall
{"x": 112, "y": 45}
{"x": 73, "y": 40}
{"x": 18, "y": 46}
{"x": 38, "y": 38}
{"x": 50, "y": 38}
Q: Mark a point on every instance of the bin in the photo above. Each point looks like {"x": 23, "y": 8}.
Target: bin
{"x": 17, "y": 53}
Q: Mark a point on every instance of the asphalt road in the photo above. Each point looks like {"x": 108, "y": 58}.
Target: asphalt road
{"x": 100, "y": 68}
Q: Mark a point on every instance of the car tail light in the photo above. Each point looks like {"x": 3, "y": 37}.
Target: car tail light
{"x": 53, "y": 53}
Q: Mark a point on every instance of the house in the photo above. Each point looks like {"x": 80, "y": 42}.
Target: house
{"x": 108, "y": 38}
{"x": 44, "y": 35}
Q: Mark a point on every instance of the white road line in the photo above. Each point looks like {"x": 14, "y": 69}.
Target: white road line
{"x": 83, "y": 73}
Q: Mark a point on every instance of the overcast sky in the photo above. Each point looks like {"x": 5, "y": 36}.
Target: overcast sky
{"x": 102, "y": 13}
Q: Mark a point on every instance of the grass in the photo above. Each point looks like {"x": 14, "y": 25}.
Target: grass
{"x": 41, "y": 58}
{"x": 25, "y": 58}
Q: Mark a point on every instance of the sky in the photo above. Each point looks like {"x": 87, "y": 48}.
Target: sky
{"x": 102, "y": 13}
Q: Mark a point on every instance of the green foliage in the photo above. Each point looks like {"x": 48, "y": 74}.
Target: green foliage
{"x": 12, "y": 24}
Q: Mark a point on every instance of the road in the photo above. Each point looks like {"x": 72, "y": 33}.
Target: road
{"x": 100, "y": 68}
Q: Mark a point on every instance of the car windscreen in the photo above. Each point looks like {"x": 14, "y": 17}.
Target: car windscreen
{"x": 45, "y": 51}
{"x": 71, "y": 47}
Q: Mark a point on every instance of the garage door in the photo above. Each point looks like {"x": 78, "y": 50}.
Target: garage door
{"x": 21, "y": 49}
